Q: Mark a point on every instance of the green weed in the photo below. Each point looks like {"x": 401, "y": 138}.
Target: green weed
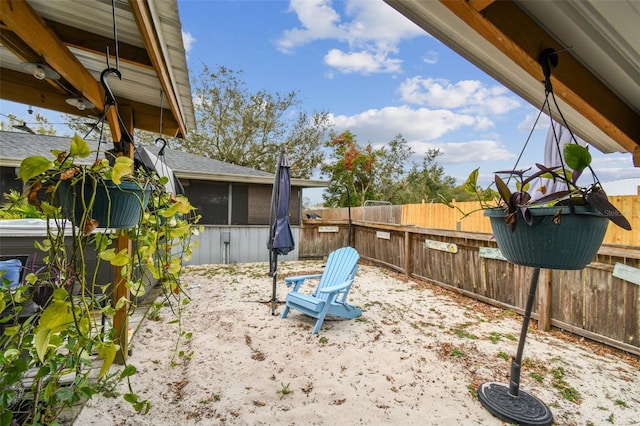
{"x": 567, "y": 392}
{"x": 284, "y": 390}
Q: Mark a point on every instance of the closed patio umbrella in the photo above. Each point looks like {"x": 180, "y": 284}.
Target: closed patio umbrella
{"x": 280, "y": 236}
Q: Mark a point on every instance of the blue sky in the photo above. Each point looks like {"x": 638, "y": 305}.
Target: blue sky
{"x": 377, "y": 74}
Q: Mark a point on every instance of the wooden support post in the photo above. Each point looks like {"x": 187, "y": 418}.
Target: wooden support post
{"x": 407, "y": 253}
{"x": 120, "y": 289}
{"x": 544, "y": 300}
{"x": 636, "y": 156}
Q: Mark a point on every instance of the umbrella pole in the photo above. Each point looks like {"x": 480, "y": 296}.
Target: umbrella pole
{"x": 274, "y": 300}
{"x": 508, "y": 402}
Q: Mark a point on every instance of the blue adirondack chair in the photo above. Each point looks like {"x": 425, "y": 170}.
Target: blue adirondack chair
{"x": 329, "y": 298}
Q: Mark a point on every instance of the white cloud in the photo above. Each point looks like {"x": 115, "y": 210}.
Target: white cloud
{"x": 473, "y": 152}
{"x": 382, "y": 125}
{"x": 319, "y": 21}
{"x": 372, "y": 31}
{"x": 530, "y": 120}
{"x": 431, "y": 58}
{"x": 470, "y": 96}
{"x": 423, "y": 129}
{"x": 188, "y": 40}
{"x": 361, "y": 62}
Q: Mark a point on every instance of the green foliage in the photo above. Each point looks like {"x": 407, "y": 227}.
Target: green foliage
{"x": 249, "y": 128}
{"x": 52, "y": 323}
{"x": 428, "y": 182}
{"x": 569, "y": 393}
{"x": 353, "y": 171}
{"x": 37, "y": 122}
{"x": 284, "y": 390}
{"x": 537, "y": 376}
{"x": 516, "y": 201}
{"x": 16, "y": 207}
{"x": 503, "y": 355}
{"x": 457, "y": 353}
{"x": 381, "y": 174}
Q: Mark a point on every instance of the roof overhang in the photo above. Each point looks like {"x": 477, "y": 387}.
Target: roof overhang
{"x": 72, "y": 38}
{"x": 263, "y": 180}
{"x": 596, "y": 80}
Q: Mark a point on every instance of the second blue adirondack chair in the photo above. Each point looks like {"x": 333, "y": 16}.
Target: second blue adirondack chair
{"x": 329, "y": 298}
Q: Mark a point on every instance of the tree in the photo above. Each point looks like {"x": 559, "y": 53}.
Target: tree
{"x": 352, "y": 170}
{"x": 428, "y": 182}
{"x": 390, "y": 170}
{"x": 37, "y": 123}
{"x": 381, "y": 174}
{"x": 249, "y": 129}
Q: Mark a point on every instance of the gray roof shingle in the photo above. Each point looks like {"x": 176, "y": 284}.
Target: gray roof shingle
{"x": 15, "y": 146}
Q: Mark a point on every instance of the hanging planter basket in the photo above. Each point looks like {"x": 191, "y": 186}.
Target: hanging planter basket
{"x": 114, "y": 206}
{"x": 569, "y": 245}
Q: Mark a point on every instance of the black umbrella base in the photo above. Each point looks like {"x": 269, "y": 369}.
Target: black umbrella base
{"x": 523, "y": 410}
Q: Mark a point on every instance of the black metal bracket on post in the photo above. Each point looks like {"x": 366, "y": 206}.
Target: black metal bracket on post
{"x": 548, "y": 59}
{"x": 509, "y": 403}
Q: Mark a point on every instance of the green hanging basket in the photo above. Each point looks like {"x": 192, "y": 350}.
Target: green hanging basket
{"x": 571, "y": 244}
{"x": 114, "y": 206}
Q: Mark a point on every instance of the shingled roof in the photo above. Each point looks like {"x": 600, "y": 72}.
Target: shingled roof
{"x": 15, "y": 146}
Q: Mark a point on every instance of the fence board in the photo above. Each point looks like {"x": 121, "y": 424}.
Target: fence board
{"x": 597, "y": 304}
{"x": 632, "y": 315}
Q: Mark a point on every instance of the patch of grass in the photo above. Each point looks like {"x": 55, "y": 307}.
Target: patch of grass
{"x": 463, "y": 334}
{"x": 213, "y": 398}
{"x": 495, "y": 337}
{"x": 537, "y": 376}
{"x": 472, "y": 391}
{"x": 323, "y": 340}
{"x": 569, "y": 393}
{"x": 511, "y": 337}
{"x": 370, "y": 304}
{"x": 621, "y": 403}
{"x": 284, "y": 390}
{"x": 154, "y": 311}
{"x": 457, "y": 352}
{"x": 503, "y": 355}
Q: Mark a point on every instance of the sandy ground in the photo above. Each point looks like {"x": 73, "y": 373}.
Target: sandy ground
{"x": 415, "y": 357}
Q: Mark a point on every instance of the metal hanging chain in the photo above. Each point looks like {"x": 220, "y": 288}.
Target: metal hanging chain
{"x": 115, "y": 34}
{"x": 161, "y": 108}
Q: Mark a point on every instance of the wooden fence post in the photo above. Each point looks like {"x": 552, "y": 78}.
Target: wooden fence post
{"x": 407, "y": 253}
{"x": 544, "y": 300}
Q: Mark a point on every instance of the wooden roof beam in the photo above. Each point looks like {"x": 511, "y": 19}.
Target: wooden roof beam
{"x": 19, "y": 17}
{"x": 23, "y": 88}
{"x": 514, "y": 33}
{"x": 90, "y": 42}
{"x": 145, "y": 25}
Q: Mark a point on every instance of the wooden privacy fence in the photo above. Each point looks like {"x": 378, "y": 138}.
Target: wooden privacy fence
{"x": 594, "y": 302}
{"x": 441, "y": 216}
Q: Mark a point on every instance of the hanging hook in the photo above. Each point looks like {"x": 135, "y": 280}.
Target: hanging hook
{"x": 548, "y": 59}
{"x": 109, "y": 98}
{"x": 164, "y": 145}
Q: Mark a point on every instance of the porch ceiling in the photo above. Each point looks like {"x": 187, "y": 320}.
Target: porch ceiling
{"x": 73, "y": 38}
